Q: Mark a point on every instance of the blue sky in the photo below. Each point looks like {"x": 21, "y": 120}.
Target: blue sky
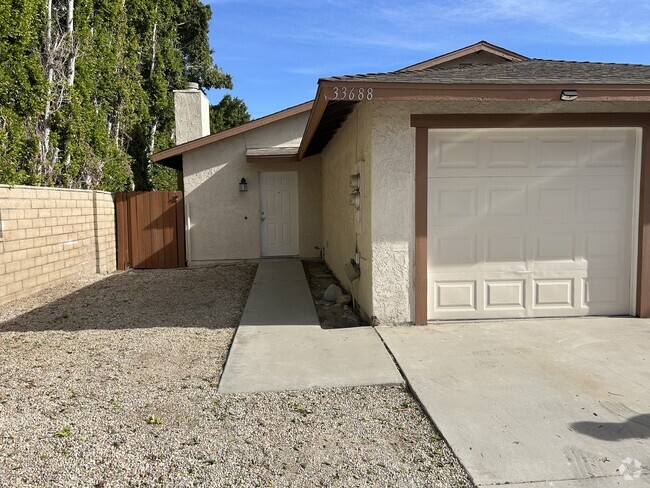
{"x": 277, "y": 49}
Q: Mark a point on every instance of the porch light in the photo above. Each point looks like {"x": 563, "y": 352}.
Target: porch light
{"x": 243, "y": 185}
{"x": 569, "y": 95}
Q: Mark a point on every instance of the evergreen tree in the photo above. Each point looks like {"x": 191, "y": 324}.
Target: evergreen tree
{"x": 229, "y": 112}
{"x": 86, "y": 88}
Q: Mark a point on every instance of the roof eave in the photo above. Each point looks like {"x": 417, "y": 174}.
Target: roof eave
{"x": 178, "y": 150}
{"x": 403, "y": 91}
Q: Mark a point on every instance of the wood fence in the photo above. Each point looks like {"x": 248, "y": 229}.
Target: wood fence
{"x": 150, "y": 229}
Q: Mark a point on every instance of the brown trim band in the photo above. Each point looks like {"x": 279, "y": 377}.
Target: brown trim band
{"x": 423, "y": 123}
{"x": 643, "y": 264}
{"x": 401, "y": 91}
{"x": 488, "y": 121}
{"x": 421, "y": 197}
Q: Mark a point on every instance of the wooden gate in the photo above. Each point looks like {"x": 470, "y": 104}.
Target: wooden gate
{"x": 150, "y": 229}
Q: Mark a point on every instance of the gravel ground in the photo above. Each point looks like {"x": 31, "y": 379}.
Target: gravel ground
{"x": 112, "y": 382}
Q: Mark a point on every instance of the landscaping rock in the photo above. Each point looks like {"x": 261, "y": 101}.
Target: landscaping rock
{"x": 344, "y": 299}
{"x": 332, "y": 293}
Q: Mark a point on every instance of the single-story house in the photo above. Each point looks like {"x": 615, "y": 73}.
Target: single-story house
{"x": 477, "y": 184}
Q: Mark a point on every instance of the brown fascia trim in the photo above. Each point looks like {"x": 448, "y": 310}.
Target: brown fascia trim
{"x": 316, "y": 114}
{"x": 485, "y": 121}
{"x": 465, "y": 51}
{"x": 400, "y": 91}
{"x": 202, "y": 141}
{"x": 276, "y": 158}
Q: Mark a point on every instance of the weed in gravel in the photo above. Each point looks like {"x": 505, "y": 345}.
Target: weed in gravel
{"x": 406, "y": 404}
{"x": 300, "y": 409}
{"x": 64, "y": 432}
{"x": 153, "y": 420}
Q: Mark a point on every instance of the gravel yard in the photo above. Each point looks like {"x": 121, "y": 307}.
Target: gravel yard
{"x": 112, "y": 382}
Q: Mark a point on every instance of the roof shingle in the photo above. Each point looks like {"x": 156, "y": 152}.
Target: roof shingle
{"x": 533, "y": 71}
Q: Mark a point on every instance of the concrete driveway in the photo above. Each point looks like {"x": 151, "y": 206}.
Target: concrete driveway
{"x": 558, "y": 402}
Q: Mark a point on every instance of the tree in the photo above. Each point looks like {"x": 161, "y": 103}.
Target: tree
{"x": 229, "y": 112}
{"x": 86, "y": 88}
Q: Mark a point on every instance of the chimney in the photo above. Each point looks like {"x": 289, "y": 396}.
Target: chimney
{"x": 191, "y": 113}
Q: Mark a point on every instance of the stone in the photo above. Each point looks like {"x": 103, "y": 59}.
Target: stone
{"x": 332, "y": 293}
{"x": 344, "y": 299}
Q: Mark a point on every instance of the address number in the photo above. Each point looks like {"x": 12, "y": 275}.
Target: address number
{"x": 342, "y": 93}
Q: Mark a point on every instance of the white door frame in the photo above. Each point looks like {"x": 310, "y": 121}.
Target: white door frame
{"x": 295, "y": 216}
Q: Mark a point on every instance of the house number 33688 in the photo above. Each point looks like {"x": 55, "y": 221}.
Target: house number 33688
{"x": 342, "y": 93}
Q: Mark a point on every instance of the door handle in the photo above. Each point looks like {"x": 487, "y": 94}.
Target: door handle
{"x": 262, "y": 218}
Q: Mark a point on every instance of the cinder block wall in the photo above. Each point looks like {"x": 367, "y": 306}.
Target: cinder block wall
{"x": 50, "y": 235}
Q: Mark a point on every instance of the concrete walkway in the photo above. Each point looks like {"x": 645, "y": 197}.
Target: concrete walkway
{"x": 536, "y": 403}
{"x": 280, "y": 345}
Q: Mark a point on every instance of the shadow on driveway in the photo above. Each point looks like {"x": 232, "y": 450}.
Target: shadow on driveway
{"x": 188, "y": 297}
{"x": 637, "y": 427}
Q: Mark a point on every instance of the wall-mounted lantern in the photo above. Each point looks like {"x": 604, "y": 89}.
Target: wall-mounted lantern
{"x": 243, "y": 185}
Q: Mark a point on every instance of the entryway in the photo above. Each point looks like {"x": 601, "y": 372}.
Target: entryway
{"x": 279, "y": 213}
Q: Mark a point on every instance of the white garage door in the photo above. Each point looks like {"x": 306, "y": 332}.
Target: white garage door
{"x": 530, "y": 222}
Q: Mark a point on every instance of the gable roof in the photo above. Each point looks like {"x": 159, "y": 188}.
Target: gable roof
{"x": 531, "y": 71}
{"x": 511, "y": 77}
{"x": 529, "y": 80}
{"x": 172, "y": 157}
{"x": 479, "y": 47}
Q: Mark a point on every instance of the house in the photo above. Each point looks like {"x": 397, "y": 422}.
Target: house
{"x": 477, "y": 184}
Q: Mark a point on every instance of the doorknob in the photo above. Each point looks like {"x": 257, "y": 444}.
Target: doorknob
{"x": 262, "y": 217}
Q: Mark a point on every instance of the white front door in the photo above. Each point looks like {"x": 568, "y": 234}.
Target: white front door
{"x": 279, "y": 213}
{"x": 530, "y": 222}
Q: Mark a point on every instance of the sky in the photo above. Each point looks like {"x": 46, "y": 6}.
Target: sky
{"x": 276, "y": 50}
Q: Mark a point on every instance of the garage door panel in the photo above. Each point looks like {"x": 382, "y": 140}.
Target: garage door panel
{"x": 553, "y": 293}
{"x": 457, "y": 152}
{"x": 604, "y": 292}
{"x": 613, "y": 150}
{"x": 455, "y": 295}
{"x": 449, "y": 248}
{"x": 556, "y": 201}
{"x": 520, "y": 152}
{"x": 506, "y": 200}
{"x": 538, "y": 225}
{"x": 505, "y": 294}
{"x": 507, "y": 247}
{"x": 557, "y": 151}
{"x": 555, "y": 245}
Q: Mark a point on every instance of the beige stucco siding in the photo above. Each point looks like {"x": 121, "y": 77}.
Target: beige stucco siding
{"x": 223, "y": 222}
{"x": 393, "y": 190}
{"x": 346, "y": 229}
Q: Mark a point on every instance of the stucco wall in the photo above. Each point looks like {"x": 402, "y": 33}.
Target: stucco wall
{"x": 191, "y": 114}
{"x": 346, "y": 229}
{"x": 223, "y": 222}
{"x": 50, "y": 235}
{"x": 393, "y": 189}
